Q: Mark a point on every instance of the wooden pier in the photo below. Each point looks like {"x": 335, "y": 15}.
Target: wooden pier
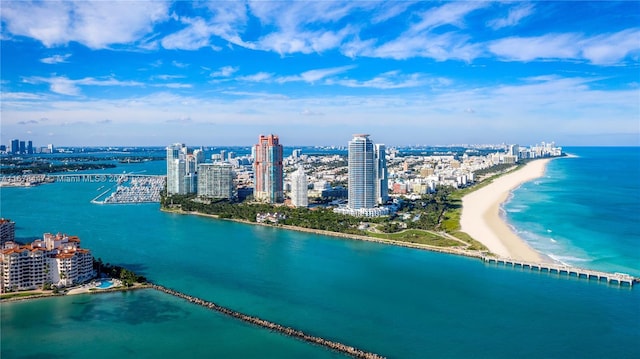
{"x": 620, "y": 279}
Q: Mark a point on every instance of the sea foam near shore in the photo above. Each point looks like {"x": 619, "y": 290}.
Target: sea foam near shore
{"x": 584, "y": 211}
{"x": 482, "y": 218}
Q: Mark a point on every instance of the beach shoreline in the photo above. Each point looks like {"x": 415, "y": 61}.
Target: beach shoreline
{"x": 482, "y": 219}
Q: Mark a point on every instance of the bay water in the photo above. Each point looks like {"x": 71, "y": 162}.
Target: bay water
{"x": 398, "y": 302}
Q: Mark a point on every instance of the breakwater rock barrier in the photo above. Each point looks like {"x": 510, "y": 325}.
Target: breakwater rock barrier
{"x": 339, "y": 347}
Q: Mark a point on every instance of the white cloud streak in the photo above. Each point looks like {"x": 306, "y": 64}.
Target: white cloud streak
{"x": 430, "y": 30}
{"x": 224, "y": 71}
{"x": 65, "y": 86}
{"x": 604, "y": 49}
{"x": 55, "y": 59}
{"x": 538, "y": 107}
{"x": 513, "y": 18}
{"x": 392, "y": 80}
{"x": 57, "y": 23}
{"x": 313, "y": 76}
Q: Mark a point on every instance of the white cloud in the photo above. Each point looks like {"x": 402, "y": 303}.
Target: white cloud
{"x": 227, "y": 20}
{"x": 60, "y": 22}
{"x": 452, "y": 13}
{"x": 180, "y": 65}
{"x": 65, "y": 86}
{"x": 312, "y": 76}
{"x": 514, "y": 16}
{"x": 300, "y": 27}
{"x": 529, "y": 110}
{"x": 174, "y": 85}
{"x": 357, "y": 47}
{"x": 24, "y": 96}
{"x": 306, "y": 42}
{"x": 195, "y": 36}
{"x": 604, "y": 49}
{"x": 539, "y": 47}
{"x": 297, "y": 14}
{"x": 55, "y": 59}
{"x": 392, "y": 80}
{"x": 224, "y": 71}
{"x": 256, "y": 94}
{"x": 259, "y": 77}
{"x": 167, "y": 77}
{"x": 390, "y": 9}
{"x": 612, "y": 48}
{"x": 440, "y": 47}
{"x": 420, "y": 41}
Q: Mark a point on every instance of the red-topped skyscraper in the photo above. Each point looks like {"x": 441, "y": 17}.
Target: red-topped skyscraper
{"x": 267, "y": 169}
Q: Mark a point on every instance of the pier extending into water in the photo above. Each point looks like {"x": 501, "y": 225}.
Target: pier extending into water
{"x": 339, "y": 347}
{"x": 619, "y": 279}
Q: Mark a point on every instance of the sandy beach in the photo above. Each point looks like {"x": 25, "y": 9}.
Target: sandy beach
{"x": 481, "y": 217}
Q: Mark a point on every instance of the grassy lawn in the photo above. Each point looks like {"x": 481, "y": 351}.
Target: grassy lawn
{"x": 417, "y": 236}
{"x": 473, "y": 244}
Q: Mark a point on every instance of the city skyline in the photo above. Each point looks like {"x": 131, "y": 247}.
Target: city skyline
{"x": 405, "y": 72}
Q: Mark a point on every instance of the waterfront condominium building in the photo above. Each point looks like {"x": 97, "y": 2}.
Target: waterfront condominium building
{"x": 367, "y": 178}
{"x": 380, "y": 163}
{"x": 55, "y": 259}
{"x": 267, "y": 169}
{"x": 299, "y": 195}
{"x": 215, "y": 180}
{"x": 180, "y": 171}
{"x": 362, "y": 181}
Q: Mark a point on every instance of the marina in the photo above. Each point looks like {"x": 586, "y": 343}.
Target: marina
{"x": 138, "y": 189}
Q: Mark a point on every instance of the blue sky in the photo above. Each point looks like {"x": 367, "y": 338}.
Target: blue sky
{"x": 221, "y": 73}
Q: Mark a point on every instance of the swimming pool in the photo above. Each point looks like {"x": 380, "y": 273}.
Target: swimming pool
{"x": 105, "y": 284}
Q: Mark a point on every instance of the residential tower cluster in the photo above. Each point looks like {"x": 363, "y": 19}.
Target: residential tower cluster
{"x": 367, "y": 183}
{"x": 56, "y": 259}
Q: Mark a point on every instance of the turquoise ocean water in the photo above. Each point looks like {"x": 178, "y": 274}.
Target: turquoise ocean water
{"x": 398, "y": 302}
{"x": 585, "y": 210}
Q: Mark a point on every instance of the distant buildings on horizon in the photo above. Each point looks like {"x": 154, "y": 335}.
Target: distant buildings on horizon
{"x": 18, "y": 147}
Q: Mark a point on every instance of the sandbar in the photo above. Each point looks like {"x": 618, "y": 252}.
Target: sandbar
{"x": 481, "y": 214}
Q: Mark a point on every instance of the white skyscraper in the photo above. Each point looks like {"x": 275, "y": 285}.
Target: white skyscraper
{"x": 181, "y": 170}
{"x": 362, "y": 192}
{"x": 367, "y": 179}
{"x": 176, "y": 168}
{"x": 198, "y": 154}
{"x": 299, "y": 196}
{"x": 382, "y": 189}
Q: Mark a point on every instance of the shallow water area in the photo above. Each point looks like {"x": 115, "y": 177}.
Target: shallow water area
{"x": 585, "y": 210}
{"x": 140, "y": 324}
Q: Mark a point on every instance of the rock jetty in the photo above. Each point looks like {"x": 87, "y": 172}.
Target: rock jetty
{"x": 339, "y": 347}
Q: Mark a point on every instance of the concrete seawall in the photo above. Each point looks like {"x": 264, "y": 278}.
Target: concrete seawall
{"x": 339, "y": 347}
